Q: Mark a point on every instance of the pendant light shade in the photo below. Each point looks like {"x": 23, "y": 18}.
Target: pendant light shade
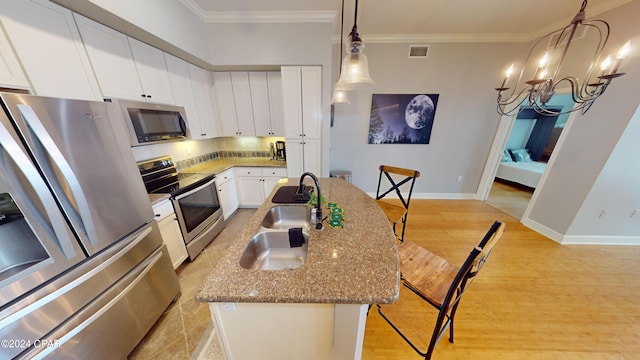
{"x": 339, "y": 96}
{"x": 355, "y": 68}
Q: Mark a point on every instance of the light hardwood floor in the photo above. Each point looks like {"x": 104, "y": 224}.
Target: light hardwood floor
{"x": 510, "y": 198}
{"x": 534, "y": 299}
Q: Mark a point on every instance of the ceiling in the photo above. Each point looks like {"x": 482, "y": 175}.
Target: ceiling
{"x": 381, "y": 21}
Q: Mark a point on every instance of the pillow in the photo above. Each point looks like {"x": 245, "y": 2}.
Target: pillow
{"x": 520, "y": 155}
{"x": 506, "y": 156}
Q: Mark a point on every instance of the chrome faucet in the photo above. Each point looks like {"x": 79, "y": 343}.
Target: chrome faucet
{"x": 319, "y": 204}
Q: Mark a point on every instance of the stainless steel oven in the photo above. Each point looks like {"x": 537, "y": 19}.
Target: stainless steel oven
{"x": 194, "y": 197}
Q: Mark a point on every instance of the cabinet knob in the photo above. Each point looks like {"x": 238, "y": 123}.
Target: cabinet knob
{"x": 203, "y": 134}
{"x": 148, "y": 96}
{"x": 157, "y": 215}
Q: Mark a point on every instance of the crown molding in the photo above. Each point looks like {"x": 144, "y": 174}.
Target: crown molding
{"x": 441, "y": 38}
{"x": 232, "y": 17}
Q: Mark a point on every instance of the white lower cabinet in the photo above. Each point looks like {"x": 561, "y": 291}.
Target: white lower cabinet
{"x": 227, "y": 193}
{"x": 170, "y": 231}
{"x": 256, "y": 183}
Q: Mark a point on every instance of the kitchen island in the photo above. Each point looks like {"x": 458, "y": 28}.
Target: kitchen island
{"x": 317, "y": 310}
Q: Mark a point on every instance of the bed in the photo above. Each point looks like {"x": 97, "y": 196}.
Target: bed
{"x": 521, "y": 171}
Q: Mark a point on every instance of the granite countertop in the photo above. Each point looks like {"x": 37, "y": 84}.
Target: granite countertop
{"x": 219, "y": 165}
{"x": 357, "y": 264}
{"x": 157, "y": 198}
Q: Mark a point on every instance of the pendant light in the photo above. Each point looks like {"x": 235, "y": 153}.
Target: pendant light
{"x": 541, "y": 79}
{"x": 354, "y": 72}
{"x": 340, "y": 95}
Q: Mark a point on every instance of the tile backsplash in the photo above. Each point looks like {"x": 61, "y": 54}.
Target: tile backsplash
{"x": 184, "y": 164}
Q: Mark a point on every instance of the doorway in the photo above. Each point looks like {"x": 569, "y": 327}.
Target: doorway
{"x": 539, "y": 137}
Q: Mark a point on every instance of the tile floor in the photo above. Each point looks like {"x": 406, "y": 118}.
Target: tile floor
{"x": 176, "y": 334}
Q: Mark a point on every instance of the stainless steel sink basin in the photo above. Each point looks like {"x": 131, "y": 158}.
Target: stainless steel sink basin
{"x": 282, "y": 217}
{"x": 270, "y": 250}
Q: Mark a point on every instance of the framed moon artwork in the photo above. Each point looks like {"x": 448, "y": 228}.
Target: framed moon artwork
{"x": 402, "y": 118}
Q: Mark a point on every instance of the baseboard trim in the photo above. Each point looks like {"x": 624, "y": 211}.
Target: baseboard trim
{"x": 580, "y": 239}
{"x": 600, "y": 240}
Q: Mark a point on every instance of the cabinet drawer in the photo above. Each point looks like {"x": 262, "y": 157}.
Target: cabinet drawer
{"x": 224, "y": 176}
{"x": 274, "y": 171}
{"x": 248, "y": 171}
{"x": 163, "y": 209}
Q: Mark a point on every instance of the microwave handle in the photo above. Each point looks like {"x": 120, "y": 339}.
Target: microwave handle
{"x": 183, "y": 125}
{"x": 23, "y": 164}
{"x": 81, "y": 204}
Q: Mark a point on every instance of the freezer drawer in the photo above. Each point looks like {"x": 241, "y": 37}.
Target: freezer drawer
{"x": 113, "y": 324}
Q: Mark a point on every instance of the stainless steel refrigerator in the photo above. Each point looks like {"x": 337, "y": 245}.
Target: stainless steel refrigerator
{"x": 83, "y": 270}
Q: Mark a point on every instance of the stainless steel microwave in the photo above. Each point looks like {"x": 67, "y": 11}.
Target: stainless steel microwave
{"x": 149, "y": 123}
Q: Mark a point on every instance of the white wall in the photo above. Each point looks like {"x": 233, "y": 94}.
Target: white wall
{"x": 578, "y": 181}
{"x": 464, "y": 75}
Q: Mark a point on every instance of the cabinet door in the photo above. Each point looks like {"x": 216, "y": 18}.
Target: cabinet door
{"x": 312, "y": 101}
{"x": 269, "y": 182}
{"x": 228, "y": 198}
{"x": 201, "y": 90}
{"x": 181, "y": 84}
{"x": 260, "y": 103}
{"x": 152, "y": 72}
{"x": 292, "y": 101}
{"x": 46, "y": 40}
{"x": 172, "y": 238}
{"x": 225, "y": 103}
{"x": 312, "y": 156}
{"x": 111, "y": 59}
{"x": 11, "y": 74}
{"x": 274, "y": 83}
{"x": 295, "y": 157}
{"x": 242, "y": 100}
{"x": 250, "y": 190}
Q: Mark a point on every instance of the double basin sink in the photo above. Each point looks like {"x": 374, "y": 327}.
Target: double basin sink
{"x": 270, "y": 249}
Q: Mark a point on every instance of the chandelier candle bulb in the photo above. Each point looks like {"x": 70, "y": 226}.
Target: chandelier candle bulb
{"x": 605, "y": 65}
{"x": 507, "y": 75}
{"x": 622, "y": 53}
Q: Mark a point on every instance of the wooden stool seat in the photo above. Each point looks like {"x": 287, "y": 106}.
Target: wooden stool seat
{"x": 394, "y": 213}
{"x": 426, "y": 272}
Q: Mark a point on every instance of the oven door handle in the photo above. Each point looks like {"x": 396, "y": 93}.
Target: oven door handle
{"x": 180, "y": 196}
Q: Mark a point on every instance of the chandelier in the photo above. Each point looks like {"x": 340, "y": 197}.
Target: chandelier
{"x": 540, "y": 81}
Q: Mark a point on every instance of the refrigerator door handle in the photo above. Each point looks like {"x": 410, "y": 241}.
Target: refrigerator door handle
{"x": 80, "y": 204}
{"x": 56, "y": 224}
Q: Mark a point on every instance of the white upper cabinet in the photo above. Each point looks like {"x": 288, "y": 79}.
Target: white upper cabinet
{"x": 47, "y": 43}
{"x": 192, "y": 89}
{"x": 152, "y": 71}
{"x": 225, "y": 103}
{"x": 250, "y": 103}
{"x": 203, "y": 98}
{"x": 266, "y": 99}
{"x": 242, "y": 101}
{"x": 125, "y": 68}
{"x": 11, "y": 74}
{"x": 111, "y": 59}
{"x": 181, "y": 85}
{"x": 274, "y": 82}
{"x": 260, "y": 102}
{"x": 302, "y": 99}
